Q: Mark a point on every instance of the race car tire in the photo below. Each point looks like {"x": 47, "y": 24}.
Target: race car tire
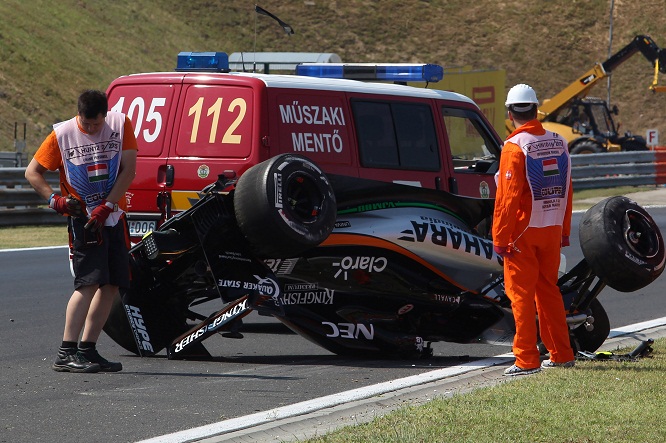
{"x": 590, "y": 341}
{"x": 284, "y": 206}
{"x": 622, "y": 244}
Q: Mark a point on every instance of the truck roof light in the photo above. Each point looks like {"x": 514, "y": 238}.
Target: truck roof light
{"x": 203, "y": 62}
{"x": 398, "y": 72}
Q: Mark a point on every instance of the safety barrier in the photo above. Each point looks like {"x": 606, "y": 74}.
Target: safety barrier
{"x": 20, "y": 204}
{"x": 608, "y": 170}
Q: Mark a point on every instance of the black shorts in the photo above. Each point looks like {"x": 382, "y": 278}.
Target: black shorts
{"x": 99, "y": 258}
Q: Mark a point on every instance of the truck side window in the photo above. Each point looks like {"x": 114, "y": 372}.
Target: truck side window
{"x": 396, "y": 135}
{"x": 376, "y": 135}
{"x": 469, "y": 140}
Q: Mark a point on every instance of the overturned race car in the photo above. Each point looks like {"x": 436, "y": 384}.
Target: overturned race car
{"x": 394, "y": 267}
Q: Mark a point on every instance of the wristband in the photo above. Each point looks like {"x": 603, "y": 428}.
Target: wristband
{"x": 112, "y": 206}
{"x": 50, "y": 197}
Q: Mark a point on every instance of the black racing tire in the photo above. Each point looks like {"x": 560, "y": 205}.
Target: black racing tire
{"x": 284, "y": 206}
{"x": 590, "y": 341}
{"x": 586, "y": 147}
{"x": 622, "y": 244}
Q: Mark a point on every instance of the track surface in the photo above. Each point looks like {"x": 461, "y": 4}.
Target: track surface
{"x": 268, "y": 369}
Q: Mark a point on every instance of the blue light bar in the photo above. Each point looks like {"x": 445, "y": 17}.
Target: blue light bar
{"x": 203, "y": 62}
{"x": 398, "y": 72}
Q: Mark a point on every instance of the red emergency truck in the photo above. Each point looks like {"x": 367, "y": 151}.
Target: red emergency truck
{"x": 201, "y": 121}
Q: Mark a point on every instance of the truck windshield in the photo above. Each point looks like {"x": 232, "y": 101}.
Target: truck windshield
{"x": 468, "y": 137}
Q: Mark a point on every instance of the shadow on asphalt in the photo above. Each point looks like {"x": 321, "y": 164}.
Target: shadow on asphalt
{"x": 435, "y": 362}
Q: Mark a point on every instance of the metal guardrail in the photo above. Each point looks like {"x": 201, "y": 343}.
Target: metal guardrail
{"x": 13, "y": 159}
{"x": 20, "y": 204}
{"x": 608, "y": 170}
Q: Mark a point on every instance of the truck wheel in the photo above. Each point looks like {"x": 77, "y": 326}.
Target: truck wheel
{"x": 284, "y": 206}
{"x": 590, "y": 341}
{"x": 622, "y": 244}
{"x": 586, "y": 147}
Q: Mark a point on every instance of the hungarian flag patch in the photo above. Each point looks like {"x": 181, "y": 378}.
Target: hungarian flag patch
{"x": 550, "y": 167}
{"x": 98, "y": 173}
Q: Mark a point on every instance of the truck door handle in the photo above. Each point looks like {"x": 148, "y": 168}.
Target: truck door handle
{"x": 170, "y": 171}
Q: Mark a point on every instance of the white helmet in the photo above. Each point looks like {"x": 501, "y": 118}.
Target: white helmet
{"x": 521, "y": 94}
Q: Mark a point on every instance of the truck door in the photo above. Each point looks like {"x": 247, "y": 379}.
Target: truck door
{"x": 214, "y": 135}
{"x": 149, "y": 105}
{"x": 472, "y": 151}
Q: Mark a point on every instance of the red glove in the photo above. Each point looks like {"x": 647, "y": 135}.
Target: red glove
{"x": 65, "y": 205}
{"x": 98, "y": 217}
{"x": 503, "y": 251}
{"x": 565, "y": 241}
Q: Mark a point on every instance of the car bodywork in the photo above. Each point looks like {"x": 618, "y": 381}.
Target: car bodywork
{"x": 360, "y": 267}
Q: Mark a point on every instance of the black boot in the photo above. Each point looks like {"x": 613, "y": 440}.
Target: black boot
{"x": 71, "y": 360}
{"x": 105, "y": 365}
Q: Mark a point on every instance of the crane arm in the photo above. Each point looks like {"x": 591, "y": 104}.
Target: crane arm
{"x": 581, "y": 86}
{"x": 655, "y": 87}
{"x": 642, "y": 43}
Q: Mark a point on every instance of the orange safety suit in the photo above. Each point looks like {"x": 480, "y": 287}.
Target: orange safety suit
{"x": 532, "y": 214}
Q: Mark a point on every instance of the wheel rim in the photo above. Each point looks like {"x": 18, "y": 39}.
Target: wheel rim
{"x": 304, "y": 199}
{"x": 640, "y": 234}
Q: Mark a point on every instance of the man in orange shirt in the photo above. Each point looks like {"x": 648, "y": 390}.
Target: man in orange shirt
{"x": 95, "y": 153}
{"x": 531, "y": 222}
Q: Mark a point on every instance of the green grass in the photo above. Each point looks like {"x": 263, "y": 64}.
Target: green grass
{"x": 32, "y": 236}
{"x": 593, "y": 402}
{"x": 50, "y": 51}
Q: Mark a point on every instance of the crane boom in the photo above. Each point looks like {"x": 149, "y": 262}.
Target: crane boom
{"x": 581, "y": 86}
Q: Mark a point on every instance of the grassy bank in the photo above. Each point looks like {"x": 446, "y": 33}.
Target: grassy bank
{"x": 32, "y": 236}
{"x": 600, "y": 401}
{"x": 47, "y": 56}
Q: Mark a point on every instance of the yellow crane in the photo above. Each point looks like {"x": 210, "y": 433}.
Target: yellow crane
{"x": 587, "y": 122}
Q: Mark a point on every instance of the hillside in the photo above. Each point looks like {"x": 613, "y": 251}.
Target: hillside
{"x": 50, "y": 51}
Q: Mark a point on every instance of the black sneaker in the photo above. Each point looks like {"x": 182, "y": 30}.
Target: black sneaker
{"x": 104, "y": 364}
{"x": 73, "y": 361}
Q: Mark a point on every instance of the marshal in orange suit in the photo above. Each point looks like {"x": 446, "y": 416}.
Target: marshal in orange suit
{"x": 532, "y": 221}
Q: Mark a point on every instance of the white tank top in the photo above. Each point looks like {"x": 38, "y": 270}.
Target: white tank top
{"x": 547, "y": 166}
{"x": 92, "y": 161}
